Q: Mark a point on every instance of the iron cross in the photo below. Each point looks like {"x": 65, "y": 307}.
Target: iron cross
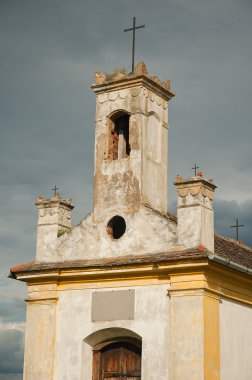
{"x": 55, "y": 190}
{"x": 133, "y": 41}
{"x": 195, "y": 169}
{"x": 237, "y": 226}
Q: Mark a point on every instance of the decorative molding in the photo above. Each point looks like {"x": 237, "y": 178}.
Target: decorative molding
{"x": 195, "y": 190}
{"x": 133, "y": 93}
{"x": 47, "y": 211}
{"x": 181, "y": 279}
{"x": 133, "y": 82}
{"x": 195, "y": 187}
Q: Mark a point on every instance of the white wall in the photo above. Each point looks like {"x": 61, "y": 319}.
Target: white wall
{"x": 151, "y": 322}
{"x": 236, "y": 341}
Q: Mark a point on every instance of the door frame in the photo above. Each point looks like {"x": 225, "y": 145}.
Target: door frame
{"x": 97, "y": 351}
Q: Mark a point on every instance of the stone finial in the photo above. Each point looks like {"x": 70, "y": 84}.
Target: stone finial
{"x": 119, "y": 75}
{"x": 54, "y": 219}
{"x": 116, "y": 79}
{"x": 100, "y": 78}
{"x": 167, "y": 84}
{"x": 156, "y": 79}
{"x": 140, "y": 69}
{"x": 195, "y": 212}
{"x": 179, "y": 178}
{"x": 57, "y": 196}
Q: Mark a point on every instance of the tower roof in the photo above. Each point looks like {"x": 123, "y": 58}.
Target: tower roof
{"x": 120, "y": 79}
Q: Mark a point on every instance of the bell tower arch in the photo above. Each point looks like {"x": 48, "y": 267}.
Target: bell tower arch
{"x": 131, "y": 142}
{"x": 118, "y": 144}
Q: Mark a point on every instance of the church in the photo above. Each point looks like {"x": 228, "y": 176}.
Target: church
{"x": 133, "y": 292}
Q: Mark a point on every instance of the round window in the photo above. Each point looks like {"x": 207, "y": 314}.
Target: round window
{"x": 116, "y": 227}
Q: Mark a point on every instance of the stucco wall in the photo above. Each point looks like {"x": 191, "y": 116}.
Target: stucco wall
{"x": 124, "y": 184}
{"x": 73, "y": 356}
{"x": 39, "y": 340}
{"x": 187, "y": 337}
{"x": 146, "y": 231}
{"x": 236, "y": 341}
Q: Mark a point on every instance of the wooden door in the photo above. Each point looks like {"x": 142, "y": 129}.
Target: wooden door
{"x": 117, "y": 361}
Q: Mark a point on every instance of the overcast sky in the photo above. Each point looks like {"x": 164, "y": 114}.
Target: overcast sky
{"x": 49, "y": 51}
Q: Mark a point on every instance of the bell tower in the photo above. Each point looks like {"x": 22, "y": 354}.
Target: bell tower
{"x": 131, "y": 141}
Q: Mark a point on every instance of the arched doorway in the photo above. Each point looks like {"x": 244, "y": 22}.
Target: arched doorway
{"x": 119, "y": 360}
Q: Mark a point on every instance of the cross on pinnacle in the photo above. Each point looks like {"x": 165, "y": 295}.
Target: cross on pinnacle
{"x": 133, "y": 40}
{"x": 237, "y": 226}
{"x": 195, "y": 169}
{"x": 55, "y": 190}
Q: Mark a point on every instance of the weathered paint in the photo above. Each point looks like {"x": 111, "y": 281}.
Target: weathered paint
{"x": 188, "y": 322}
{"x": 54, "y": 219}
{"x": 181, "y": 335}
{"x": 195, "y": 352}
{"x": 146, "y": 231}
{"x": 122, "y": 187}
{"x": 195, "y": 212}
{"x": 151, "y": 323}
{"x": 211, "y": 336}
{"x": 235, "y": 340}
{"x": 187, "y": 336}
{"x": 40, "y": 340}
{"x": 141, "y": 177}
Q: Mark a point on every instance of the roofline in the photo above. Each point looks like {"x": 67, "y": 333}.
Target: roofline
{"x": 124, "y": 262}
{"x": 130, "y": 81}
{"x": 234, "y": 241}
{"x": 136, "y": 261}
{"x": 231, "y": 264}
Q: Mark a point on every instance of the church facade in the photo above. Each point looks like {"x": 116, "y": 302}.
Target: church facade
{"x": 133, "y": 292}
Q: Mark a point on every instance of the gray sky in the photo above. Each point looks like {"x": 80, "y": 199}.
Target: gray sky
{"x": 49, "y": 51}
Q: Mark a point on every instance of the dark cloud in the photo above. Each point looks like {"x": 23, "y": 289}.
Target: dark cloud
{"x": 11, "y": 376}
{"x": 11, "y": 352}
{"x": 12, "y": 309}
{"x": 49, "y": 50}
{"x": 226, "y": 213}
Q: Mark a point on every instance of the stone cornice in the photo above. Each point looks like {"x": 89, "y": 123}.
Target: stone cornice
{"x": 180, "y": 276}
{"x": 53, "y": 202}
{"x": 194, "y": 186}
{"x": 133, "y": 81}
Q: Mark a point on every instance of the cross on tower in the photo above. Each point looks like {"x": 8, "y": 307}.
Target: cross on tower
{"x": 55, "y": 190}
{"x": 237, "y": 226}
{"x": 195, "y": 169}
{"x": 133, "y": 40}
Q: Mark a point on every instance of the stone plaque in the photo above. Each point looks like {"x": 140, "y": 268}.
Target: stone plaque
{"x": 113, "y": 305}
